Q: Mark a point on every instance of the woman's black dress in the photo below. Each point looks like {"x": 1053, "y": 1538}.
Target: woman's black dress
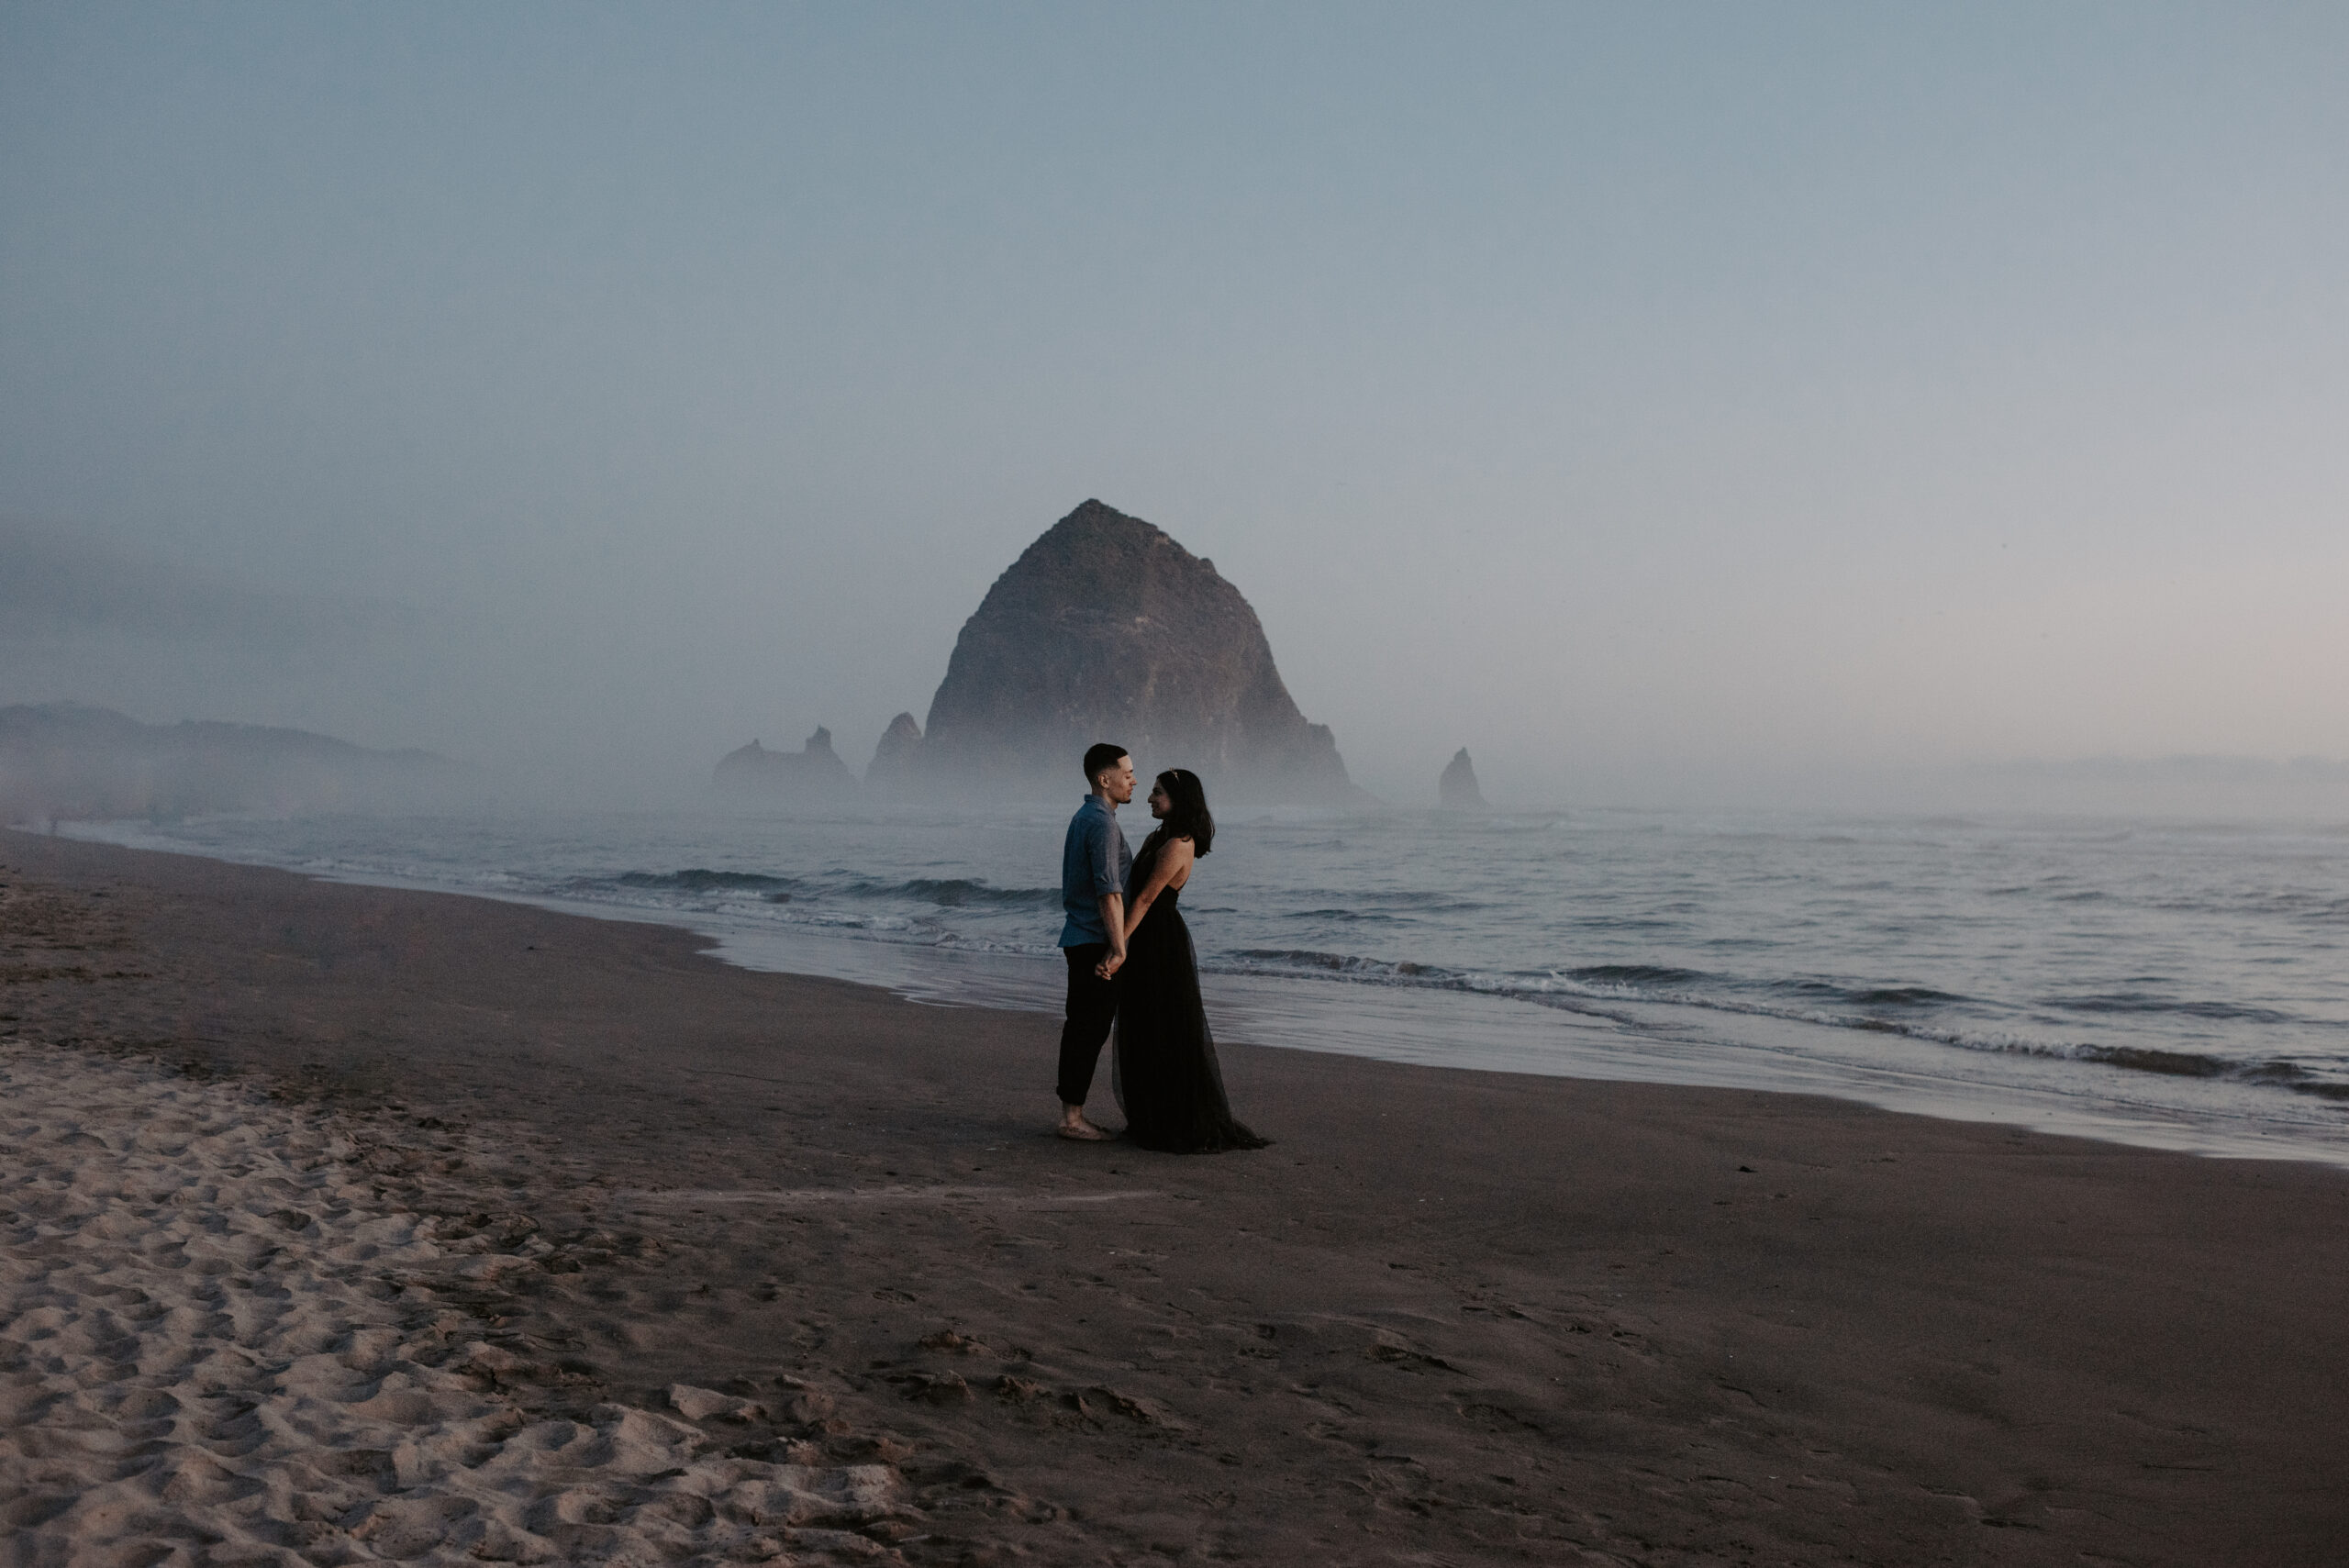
{"x": 1164, "y": 1070}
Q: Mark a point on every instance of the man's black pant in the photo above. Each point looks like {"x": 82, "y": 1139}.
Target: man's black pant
{"x": 1092, "y": 1006}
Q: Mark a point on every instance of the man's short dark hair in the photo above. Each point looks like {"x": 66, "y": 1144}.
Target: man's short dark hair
{"x": 1100, "y": 755}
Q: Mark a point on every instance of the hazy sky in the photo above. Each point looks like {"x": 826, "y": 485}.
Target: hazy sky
{"x": 1634, "y": 393}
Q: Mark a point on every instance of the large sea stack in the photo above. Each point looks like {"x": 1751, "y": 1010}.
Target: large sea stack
{"x": 1107, "y": 629}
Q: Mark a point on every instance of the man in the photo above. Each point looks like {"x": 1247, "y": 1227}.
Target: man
{"x": 1094, "y": 863}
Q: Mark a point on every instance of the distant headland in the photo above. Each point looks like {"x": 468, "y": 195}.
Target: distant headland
{"x": 68, "y": 761}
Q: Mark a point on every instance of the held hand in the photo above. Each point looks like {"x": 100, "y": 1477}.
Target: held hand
{"x": 1109, "y": 966}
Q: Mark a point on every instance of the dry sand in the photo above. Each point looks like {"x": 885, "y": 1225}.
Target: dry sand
{"x": 228, "y": 1341}
{"x": 346, "y": 1224}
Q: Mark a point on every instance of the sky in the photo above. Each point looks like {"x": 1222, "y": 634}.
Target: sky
{"x": 1665, "y": 402}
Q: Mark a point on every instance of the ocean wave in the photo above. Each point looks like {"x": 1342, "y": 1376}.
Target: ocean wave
{"x": 944, "y": 893}
{"x": 858, "y": 911}
{"x": 1581, "y": 990}
{"x": 1616, "y": 924}
{"x": 1905, "y": 997}
{"x": 2170, "y": 1064}
{"x": 698, "y": 879}
{"x": 1419, "y": 899}
{"x": 1636, "y": 975}
{"x": 1312, "y": 962}
{"x": 953, "y": 892}
{"x": 1873, "y": 995}
{"x": 2300, "y": 909}
{"x": 2141, "y": 1002}
{"x": 2288, "y": 1075}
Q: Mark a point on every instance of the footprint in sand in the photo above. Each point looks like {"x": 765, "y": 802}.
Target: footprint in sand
{"x": 186, "y": 1373}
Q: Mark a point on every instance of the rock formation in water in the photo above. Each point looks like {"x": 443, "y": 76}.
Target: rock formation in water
{"x": 1457, "y": 789}
{"x": 896, "y": 761}
{"x": 70, "y": 762}
{"x": 1107, "y": 629}
{"x": 812, "y": 774}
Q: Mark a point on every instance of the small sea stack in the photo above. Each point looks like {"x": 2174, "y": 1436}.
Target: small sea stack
{"x": 1457, "y": 790}
{"x": 894, "y": 760}
{"x": 813, "y": 774}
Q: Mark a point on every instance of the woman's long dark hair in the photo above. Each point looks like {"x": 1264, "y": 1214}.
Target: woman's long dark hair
{"x": 1187, "y": 809}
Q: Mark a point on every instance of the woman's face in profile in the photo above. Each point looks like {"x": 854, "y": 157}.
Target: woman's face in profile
{"x": 1159, "y": 803}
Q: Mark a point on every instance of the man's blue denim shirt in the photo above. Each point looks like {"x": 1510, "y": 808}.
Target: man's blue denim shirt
{"x": 1094, "y": 863}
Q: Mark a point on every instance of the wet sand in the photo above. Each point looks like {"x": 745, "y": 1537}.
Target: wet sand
{"x": 343, "y": 1224}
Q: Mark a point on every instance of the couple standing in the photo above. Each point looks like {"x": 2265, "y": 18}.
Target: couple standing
{"x": 1130, "y": 962}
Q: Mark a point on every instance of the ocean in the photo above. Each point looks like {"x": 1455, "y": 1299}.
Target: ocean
{"x": 2177, "y": 985}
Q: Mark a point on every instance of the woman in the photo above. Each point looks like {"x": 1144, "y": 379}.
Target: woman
{"x": 1165, "y": 1071}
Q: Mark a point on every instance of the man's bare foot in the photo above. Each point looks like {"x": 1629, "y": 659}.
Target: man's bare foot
{"x": 1073, "y": 1126}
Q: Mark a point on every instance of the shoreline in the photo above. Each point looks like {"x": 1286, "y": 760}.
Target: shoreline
{"x": 1453, "y": 1312}
{"x": 1630, "y": 1040}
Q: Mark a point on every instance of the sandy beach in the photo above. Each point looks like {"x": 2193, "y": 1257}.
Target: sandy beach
{"x": 345, "y": 1223}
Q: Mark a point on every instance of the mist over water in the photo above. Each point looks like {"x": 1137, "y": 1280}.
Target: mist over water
{"x": 554, "y": 710}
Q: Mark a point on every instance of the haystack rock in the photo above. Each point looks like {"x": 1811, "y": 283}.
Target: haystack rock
{"x": 1107, "y": 629}
{"x": 1457, "y": 789}
{"x": 896, "y": 760}
{"x": 813, "y": 774}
